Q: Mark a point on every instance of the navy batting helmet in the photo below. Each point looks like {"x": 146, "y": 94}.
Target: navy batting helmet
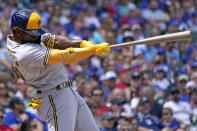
{"x": 28, "y": 21}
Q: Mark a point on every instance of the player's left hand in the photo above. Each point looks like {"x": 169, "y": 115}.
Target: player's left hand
{"x": 102, "y": 49}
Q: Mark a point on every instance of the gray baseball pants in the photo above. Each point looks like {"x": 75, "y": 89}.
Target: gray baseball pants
{"x": 66, "y": 110}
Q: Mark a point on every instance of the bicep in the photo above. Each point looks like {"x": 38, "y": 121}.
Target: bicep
{"x": 59, "y": 42}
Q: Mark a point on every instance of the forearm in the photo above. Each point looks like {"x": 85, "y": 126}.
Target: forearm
{"x": 59, "y": 42}
{"x": 66, "y": 42}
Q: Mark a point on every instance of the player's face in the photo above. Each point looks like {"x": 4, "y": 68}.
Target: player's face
{"x": 23, "y": 37}
{"x": 27, "y": 38}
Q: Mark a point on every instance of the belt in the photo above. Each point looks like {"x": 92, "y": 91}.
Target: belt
{"x": 59, "y": 87}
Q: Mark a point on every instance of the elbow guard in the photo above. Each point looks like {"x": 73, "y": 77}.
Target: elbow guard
{"x": 48, "y": 40}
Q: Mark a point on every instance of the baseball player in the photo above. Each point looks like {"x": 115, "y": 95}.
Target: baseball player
{"x": 39, "y": 61}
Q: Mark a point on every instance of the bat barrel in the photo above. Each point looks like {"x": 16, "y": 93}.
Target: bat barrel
{"x": 186, "y": 35}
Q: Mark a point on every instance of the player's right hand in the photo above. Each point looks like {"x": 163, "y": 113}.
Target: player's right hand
{"x": 102, "y": 49}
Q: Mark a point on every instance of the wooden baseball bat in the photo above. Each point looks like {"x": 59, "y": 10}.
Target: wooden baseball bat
{"x": 179, "y": 36}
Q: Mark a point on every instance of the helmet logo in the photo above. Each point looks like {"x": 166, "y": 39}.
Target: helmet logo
{"x": 39, "y": 23}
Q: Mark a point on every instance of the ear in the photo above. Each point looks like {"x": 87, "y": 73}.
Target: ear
{"x": 16, "y": 31}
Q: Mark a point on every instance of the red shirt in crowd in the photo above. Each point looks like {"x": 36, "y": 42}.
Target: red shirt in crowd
{"x": 6, "y": 128}
{"x": 102, "y": 109}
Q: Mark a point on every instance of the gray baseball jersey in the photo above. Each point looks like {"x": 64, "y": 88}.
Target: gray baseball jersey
{"x": 62, "y": 110}
{"x": 30, "y": 60}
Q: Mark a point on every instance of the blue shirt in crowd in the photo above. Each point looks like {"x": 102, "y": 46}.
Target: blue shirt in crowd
{"x": 149, "y": 121}
{"x": 10, "y": 119}
{"x": 174, "y": 125}
{"x": 103, "y": 129}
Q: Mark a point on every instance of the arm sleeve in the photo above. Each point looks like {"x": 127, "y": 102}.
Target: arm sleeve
{"x": 70, "y": 55}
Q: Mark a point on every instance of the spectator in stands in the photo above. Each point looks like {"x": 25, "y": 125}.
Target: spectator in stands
{"x": 123, "y": 8}
{"x": 6, "y": 15}
{"x": 168, "y": 120}
{"x": 107, "y": 122}
{"x": 29, "y": 125}
{"x": 124, "y": 126}
{"x": 193, "y": 104}
{"x": 134, "y": 124}
{"x": 135, "y": 83}
{"x": 21, "y": 86}
{"x": 160, "y": 81}
{"x": 194, "y": 77}
{"x": 146, "y": 78}
{"x": 109, "y": 81}
{"x": 4, "y": 98}
{"x": 119, "y": 93}
{"x": 91, "y": 18}
{"x": 3, "y": 127}
{"x": 80, "y": 83}
{"x": 151, "y": 50}
{"x": 193, "y": 22}
{"x": 116, "y": 108}
{"x": 132, "y": 18}
{"x": 15, "y": 118}
{"x": 190, "y": 86}
{"x": 94, "y": 105}
{"x": 28, "y": 93}
{"x": 127, "y": 52}
{"x": 41, "y": 6}
{"x": 181, "y": 110}
{"x": 193, "y": 64}
{"x": 123, "y": 79}
{"x": 4, "y": 30}
{"x": 156, "y": 103}
{"x": 145, "y": 119}
{"x": 5, "y": 60}
{"x": 88, "y": 89}
{"x": 181, "y": 83}
{"x": 154, "y": 15}
{"x": 172, "y": 53}
{"x": 97, "y": 95}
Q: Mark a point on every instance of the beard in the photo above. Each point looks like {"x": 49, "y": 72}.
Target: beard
{"x": 37, "y": 41}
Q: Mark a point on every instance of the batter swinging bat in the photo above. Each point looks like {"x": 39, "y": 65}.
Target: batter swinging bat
{"x": 179, "y": 36}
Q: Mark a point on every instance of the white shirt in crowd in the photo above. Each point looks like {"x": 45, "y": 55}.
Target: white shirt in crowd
{"x": 181, "y": 110}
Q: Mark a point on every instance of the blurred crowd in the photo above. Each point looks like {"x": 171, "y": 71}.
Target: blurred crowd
{"x": 136, "y": 88}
